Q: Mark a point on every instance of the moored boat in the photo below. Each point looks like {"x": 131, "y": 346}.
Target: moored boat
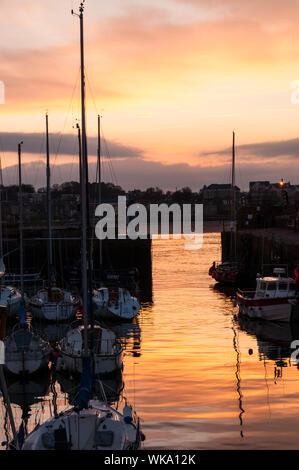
{"x": 226, "y": 273}
{"x": 115, "y": 303}
{"x": 25, "y": 352}
{"x": 99, "y": 427}
{"x": 107, "y": 351}
{"x": 53, "y": 304}
{"x": 230, "y": 270}
{"x": 89, "y": 425}
{"x": 273, "y": 299}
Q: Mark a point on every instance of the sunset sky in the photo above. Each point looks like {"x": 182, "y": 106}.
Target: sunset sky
{"x": 172, "y": 80}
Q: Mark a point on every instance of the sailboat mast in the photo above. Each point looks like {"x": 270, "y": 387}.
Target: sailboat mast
{"x": 84, "y": 175}
{"x": 1, "y": 224}
{"x": 49, "y": 213}
{"x": 233, "y": 205}
{"x": 21, "y": 218}
{"x": 233, "y": 180}
{"x": 100, "y": 181}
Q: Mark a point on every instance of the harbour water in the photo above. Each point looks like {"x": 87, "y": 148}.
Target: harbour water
{"x": 198, "y": 377}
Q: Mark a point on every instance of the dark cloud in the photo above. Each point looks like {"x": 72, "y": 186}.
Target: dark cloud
{"x": 264, "y": 150}
{"x": 67, "y": 144}
{"x": 138, "y": 173}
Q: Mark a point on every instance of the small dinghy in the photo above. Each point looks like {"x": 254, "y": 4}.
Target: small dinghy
{"x": 54, "y": 305}
{"x": 107, "y": 350}
{"x": 11, "y": 298}
{"x": 115, "y": 303}
{"x": 89, "y": 425}
{"x": 25, "y": 351}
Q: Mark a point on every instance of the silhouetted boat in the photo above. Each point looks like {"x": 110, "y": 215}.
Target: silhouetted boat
{"x": 90, "y": 424}
{"x": 115, "y": 303}
{"x": 52, "y": 304}
{"x": 107, "y": 351}
{"x": 230, "y": 270}
{"x": 25, "y": 351}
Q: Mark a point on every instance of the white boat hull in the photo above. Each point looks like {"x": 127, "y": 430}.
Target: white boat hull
{"x": 122, "y": 306}
{"x": 112, "y": 314}
{"x": 97, "y": 428}
{"x": 276, "y": 312}
{"x": 25, "y": 352}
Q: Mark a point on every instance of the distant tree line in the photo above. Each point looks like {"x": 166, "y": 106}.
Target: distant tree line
{"x": 110, "y": 191}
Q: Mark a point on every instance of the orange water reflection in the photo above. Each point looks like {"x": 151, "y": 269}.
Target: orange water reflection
{"x": 195, "y": 383}
{"x": 188, "y": 368}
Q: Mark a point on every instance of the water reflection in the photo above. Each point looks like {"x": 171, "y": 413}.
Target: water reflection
{"x": 198, "y": 376}
{"x": 238, "y": 379}
{"x": 26, "y": 394}
{"x": 51, "y": 332}
{"x": 109, "y": 388}
{"x": 130, "y": 336}
{"x": 273, "y": 340}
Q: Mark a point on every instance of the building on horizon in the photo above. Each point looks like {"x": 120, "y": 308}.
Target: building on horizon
{"x": 217, "y": 199}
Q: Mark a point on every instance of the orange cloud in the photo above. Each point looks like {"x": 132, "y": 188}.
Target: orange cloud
{"x": 173, "y": 88}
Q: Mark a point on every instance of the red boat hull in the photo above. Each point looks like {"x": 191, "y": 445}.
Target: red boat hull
{"x": 224, "y": 276}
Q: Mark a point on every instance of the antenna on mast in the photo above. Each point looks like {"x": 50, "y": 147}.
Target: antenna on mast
{"x": 81, "y": 9}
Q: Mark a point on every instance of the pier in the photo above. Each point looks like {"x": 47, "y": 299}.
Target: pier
{"x": 258, "y": 247}
{"x": 118, "y": 254}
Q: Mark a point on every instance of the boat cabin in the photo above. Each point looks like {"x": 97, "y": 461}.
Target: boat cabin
{"x": 275, "y": 287}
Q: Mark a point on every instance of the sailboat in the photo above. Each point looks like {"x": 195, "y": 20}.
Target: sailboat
{"x": 52, "y": 303}
{"x": 115, "y": 303}
{"x": 10, "y": 297}
{"x": 229, "y": 271}
{"x": 112, "y": 303}
{"x": 90, "y": 424}
{"x": 102, "y": 343}
{"x": 25, "y": 351}
{"x": 26, "y": 393}
{"x": 107, "y": 350}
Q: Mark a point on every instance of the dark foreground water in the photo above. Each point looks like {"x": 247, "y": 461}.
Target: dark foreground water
{"x": 198, "y": 377}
